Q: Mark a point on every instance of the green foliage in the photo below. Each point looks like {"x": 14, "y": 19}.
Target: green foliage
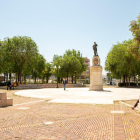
{"x": 2, "y": 64}
{"x": 39, "y": 66}
{"x": 48, "y": 71}
{"x": 5, "y": 62}
{"x": 20, "y": 55}
{"x": 18, "y": 52}
{"x": 71, "y": 62}
{"x": 121, "y": 61}
{"x": 135, "y": 29}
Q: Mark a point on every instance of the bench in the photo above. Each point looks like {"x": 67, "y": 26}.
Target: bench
{"x": 4, "y": 101}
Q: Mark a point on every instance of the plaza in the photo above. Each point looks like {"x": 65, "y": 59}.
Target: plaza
{"x": 90, "y": 47}
{"x": 76, "y": 113}
{"x": 82, "y": 95}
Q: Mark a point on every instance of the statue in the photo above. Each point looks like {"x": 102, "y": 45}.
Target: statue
{"x": 95, "y": 49}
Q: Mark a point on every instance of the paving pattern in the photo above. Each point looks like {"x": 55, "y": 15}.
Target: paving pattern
{"x": 37, "y": 119}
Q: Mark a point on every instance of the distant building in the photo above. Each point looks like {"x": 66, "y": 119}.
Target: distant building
{"x": 85, "y": 74}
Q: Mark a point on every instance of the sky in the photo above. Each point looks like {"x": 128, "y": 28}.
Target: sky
{"x": 59, "y": 25}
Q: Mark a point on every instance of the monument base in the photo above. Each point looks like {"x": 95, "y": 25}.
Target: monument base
{"x": 96, "y": 75}
{"x": 96, "y": 88}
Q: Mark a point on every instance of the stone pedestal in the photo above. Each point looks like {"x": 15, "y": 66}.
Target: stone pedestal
{"x": 4, "y": 101}
{"x": 96, "y": 75}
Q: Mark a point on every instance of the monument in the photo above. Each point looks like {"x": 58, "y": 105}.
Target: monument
{"x": 95, "y": 72}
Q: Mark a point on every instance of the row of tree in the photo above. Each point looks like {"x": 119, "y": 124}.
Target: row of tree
{"x": 71, "y": 64}
{"x": 20, "y": 55}
{"x": 124, "y": 58}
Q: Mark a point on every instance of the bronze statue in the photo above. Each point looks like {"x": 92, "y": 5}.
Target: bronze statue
{"x": 95, "y": 49}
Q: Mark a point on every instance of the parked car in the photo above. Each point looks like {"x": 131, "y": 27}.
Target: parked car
{"x": 3, "y": 83}
{"x": 108, "y": 83}
{"x": 114, "y": 83}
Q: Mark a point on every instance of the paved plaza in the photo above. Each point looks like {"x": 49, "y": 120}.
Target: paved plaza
{"x": 55, "y": 114}
{"x": 82, "y": 95}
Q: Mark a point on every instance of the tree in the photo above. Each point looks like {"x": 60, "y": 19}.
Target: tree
{"x": 38, "y": 67}
{"x": 19, "y": 51}
{"x": 58, "y": 61}
{"x": 70, "y": 63}
{"x": 47, "y": 72}
{"x": 1, "y": 57}
{"x": 5, "y": 63}
{"x": 121, "y": 61}
{"x": 135, "y": 29}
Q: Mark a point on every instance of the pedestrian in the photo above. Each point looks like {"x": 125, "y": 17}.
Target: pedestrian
{"x": 9, "y": 84}
{"x": 12, "y": 84}
{"x": 135, "y": 104}
{"x": 64, "y": 83}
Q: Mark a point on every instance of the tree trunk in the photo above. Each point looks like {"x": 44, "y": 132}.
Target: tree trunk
{"x": 72, "y": 79}
{"x": 20, "y": 77}
{"x": 10, "y": 76}
{"x": 67, "y": 77}
{"x": 129, "y": 80}
{"x": 129, "y": 76}
{"x": 75, "y": 77}
{"x": 42, "y": 80}
{"x": 124, "y": 80}
{"x": 16, "y": 78}
{"x": 24, "y": 79}
{"x": 35, "y": 79}
{"x": 4, "y": 76}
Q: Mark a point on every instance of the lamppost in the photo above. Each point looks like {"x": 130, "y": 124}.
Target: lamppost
{"x": 57, "y": 73}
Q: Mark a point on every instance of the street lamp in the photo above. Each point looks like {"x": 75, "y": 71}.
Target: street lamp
{"x": 57, "y": 73}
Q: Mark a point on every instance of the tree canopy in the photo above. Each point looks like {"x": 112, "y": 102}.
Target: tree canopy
{"x": 124, "y": 58}
{"x": 121, "y": 61}
{"x": 135, "y": 29}
{"x": 20, "y": 55}
{"x": 71, "y": 62}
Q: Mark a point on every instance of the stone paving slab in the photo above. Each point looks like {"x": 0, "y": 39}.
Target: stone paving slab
{"x": 82, "y": 95}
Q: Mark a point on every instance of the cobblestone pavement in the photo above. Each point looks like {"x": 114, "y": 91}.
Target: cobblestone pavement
{"x": 36, "y": 119}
